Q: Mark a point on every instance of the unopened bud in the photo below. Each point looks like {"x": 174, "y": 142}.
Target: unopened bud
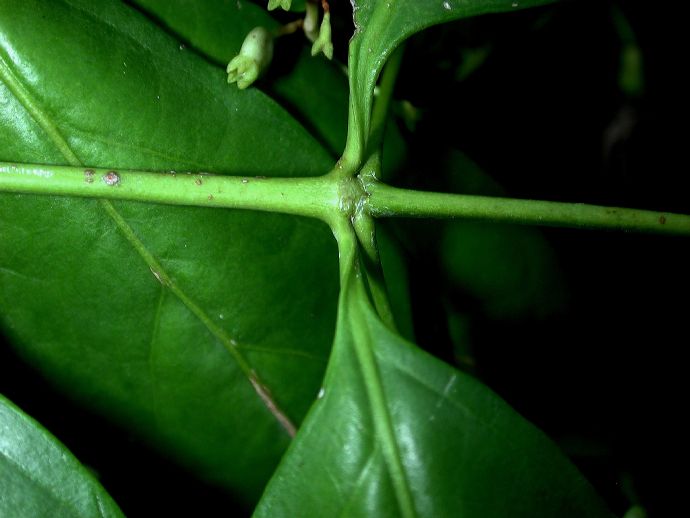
{"x": 274, "y": 4}
{"x": 323, "y": 43}
{"x": 254, "y": 57}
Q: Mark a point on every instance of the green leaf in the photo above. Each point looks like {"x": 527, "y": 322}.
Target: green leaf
{"x": 380, "y": 26}
{"x": 309, "y": 87}
{"x": 172, "y": 320}
{"x": 216, "y": 28}
{"x": 399, "y": 433}
{"x": 40, "y": 477}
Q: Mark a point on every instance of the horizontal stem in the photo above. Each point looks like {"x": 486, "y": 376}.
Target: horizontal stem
{"x": 319, "y": 197}
{"x": 386, "y": 201}
{"x": 314, "y": 197}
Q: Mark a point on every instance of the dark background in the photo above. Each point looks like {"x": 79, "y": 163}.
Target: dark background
{"x": 604, "y": 377}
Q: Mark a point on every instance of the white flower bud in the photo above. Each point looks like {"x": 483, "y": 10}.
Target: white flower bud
{"x": 253, "y": 59}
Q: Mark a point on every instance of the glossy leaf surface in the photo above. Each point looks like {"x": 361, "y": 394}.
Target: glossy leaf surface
{"x": 399, "y": 433}
{"x": 40, "y": 477}
{"x": 380, "y": 26}
{"x": 308, "y": 87}
{"x": 173, "y": 320}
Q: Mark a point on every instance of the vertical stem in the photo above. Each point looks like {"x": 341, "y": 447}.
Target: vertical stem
{"x": 382, "y": 103}
{"x": 364, "y": 128}
{"x": 366, "y": 233}
{"x": 363, "y": 343}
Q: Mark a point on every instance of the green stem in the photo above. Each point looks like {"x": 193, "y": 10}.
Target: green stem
{"x": 353, "y": 310}
{"x": 383, "y": 100}
{"x": 363, "y": 343}
{"x": 366, "y": 234}
{"x": 320, "y": 197}
{"x": 365, "y": 127}
{"x": 385, "y": 201}
{"x": 315, "y": 197}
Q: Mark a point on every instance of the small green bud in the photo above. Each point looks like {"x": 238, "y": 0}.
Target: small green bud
{"x": 323, "y": 43}
{"x": 274, "y": 4}
{"x": 254, "y": 57}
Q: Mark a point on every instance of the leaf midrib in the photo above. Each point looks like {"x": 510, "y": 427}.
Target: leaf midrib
{"x": 22, "y": 94}
{"x": 360, "y": 337}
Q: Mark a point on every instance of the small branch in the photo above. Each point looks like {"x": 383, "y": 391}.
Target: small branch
{"x": 387, "y": 201}
{"x": 313, "y": 197}
{"x": 290, "y": 28}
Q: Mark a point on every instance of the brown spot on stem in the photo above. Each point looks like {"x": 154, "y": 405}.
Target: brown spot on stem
{"x": 662, "y": 219}
{"x": 111, "y": 178}
{"x": 198, "y": 181}
{"x": 88, "y": 175}
{"x": 210, "y": 197}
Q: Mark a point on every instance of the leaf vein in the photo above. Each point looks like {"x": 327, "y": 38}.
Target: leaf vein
{"x": 23, "y": 95}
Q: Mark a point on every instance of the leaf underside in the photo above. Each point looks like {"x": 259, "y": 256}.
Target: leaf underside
{"x": 307, "y": 87}
{"x": 176, "y": 320}
{"x": 211, "y": 362}
{"x": 459, "y": 449}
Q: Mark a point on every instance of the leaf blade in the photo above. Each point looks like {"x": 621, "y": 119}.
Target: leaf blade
{"x": 78, "y": 298}
{"x": 307, "y": 87}
{"x": 463, "y": 451}
{"x": 40, "y": 477}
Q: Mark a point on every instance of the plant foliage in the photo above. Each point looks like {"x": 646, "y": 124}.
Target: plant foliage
{"x": 209, "y": 331}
